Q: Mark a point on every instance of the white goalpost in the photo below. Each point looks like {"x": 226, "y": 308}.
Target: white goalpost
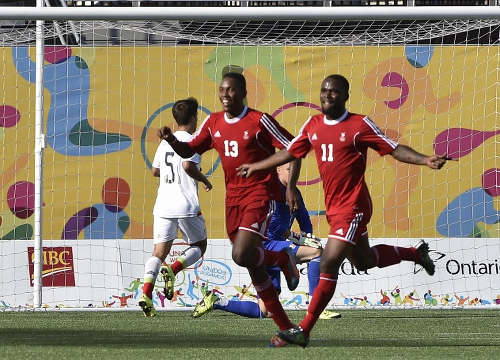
{"x": 83, "y": 90}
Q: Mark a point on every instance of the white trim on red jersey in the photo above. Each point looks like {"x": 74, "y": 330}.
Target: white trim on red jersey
{"x": 300, "y": 133}
{"x": 201, "y": 127}
{"x": 379, "y": 133}
{"x": 273, "y": 130}
{"x": 335, "y": 121}
{"x": 236, "y": 118}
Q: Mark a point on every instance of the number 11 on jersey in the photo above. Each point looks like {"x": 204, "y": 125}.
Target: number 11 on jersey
{"x": 327, "y": 152}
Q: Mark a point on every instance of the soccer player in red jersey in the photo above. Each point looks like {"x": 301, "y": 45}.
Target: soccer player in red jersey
{"x": 340, "y": 141}
{"x": 242, "y": 135}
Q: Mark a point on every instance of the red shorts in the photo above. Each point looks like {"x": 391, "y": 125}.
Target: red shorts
{"x": 348, "y": 227}
{"x": 252, "y": 215}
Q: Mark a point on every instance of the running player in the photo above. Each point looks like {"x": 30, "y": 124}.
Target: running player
{"x": 340, "y": 140}
{"x": 240, "y": 134}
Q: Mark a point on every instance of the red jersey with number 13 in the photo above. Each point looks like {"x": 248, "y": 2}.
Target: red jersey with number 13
{"x": 340, "y": 146}
{"x": 248, "y": 138}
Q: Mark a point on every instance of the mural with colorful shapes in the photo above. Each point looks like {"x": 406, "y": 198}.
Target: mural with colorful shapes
{"x": 103, "y": 106}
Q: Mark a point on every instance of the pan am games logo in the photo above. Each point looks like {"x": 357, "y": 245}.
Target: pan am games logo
{"x": 57, "y": 269}
{"x": 213, "y": 271}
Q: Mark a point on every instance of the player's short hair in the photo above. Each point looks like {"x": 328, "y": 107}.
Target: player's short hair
{"x": 238, "y": 77}
{"x": 339, "y": 78}
{"x": 184, "y": 110}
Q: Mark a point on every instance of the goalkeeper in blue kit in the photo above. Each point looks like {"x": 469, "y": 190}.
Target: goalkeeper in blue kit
{"x": 303, "y": 245}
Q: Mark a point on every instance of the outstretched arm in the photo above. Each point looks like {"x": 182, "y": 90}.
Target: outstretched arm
{"x": 180, "y": 147}
{"x": 280, "y": 158}
{"x": 192, "y": 170}
{"x": 406, "y": 154}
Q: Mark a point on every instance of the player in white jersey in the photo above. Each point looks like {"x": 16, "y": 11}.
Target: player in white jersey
{"x": 177, "y": 207}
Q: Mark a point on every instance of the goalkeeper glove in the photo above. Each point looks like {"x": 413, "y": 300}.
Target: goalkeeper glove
{"x": 305, "y": 239}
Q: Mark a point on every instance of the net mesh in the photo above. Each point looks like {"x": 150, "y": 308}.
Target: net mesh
{"x": 265, "y": 33}
{"x": 110, "y": 85}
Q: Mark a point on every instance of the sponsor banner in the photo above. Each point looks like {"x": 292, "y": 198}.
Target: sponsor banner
{"x": 57, "y": 267}
{"x": 108, "y": 274}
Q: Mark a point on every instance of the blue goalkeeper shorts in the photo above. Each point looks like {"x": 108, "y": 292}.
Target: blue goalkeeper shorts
{"x": 275, "y": 272}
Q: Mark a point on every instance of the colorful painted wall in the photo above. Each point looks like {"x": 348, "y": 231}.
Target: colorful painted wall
{"x": 103, "y": 106}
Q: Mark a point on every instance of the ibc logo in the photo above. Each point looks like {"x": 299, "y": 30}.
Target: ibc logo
{"x": 57, "y": 269}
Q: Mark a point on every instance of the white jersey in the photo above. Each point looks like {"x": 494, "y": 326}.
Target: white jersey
{"x": 177, "y": 192}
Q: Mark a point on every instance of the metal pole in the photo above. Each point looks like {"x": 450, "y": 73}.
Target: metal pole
{"x": 39, "y": 146}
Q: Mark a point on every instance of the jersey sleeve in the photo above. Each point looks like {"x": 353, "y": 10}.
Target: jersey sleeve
{"x": 158, "y": 156}
{"x": 302, "y": 216}
{"x": 280, "y": 137}
{"x": 300, "y": 145}
{"x": 196, "y": 158}
{"x": 202, "y": 140}
{"x": 371, "y": 136}
{"x": 186, "y": 137}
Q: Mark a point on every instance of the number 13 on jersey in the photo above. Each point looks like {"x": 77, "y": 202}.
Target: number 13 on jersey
{"x": 231, "y": 148}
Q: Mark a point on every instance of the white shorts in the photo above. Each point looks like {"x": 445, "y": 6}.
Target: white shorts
{"x": 193, "y": 229}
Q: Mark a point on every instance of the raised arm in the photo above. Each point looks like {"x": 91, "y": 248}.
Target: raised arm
{"x": 192, "y": 170}
{"x": 180, "y": 147}
{"x": 406, "y": 154}
{"x": 279, "y": 158}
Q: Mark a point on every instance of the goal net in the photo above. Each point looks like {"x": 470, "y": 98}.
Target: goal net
{"x": 110, "y": 84}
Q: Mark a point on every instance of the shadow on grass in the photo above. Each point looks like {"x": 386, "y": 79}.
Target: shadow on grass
{"x": 169, "y": 339}
{"x": 123, "y": 338}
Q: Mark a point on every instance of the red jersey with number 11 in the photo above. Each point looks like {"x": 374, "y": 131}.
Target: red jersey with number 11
{"x": 340, "y": 146}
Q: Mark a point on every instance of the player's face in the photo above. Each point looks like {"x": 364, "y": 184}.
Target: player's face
{"x": 231, "y": 96}
{"x": 333, "y": 97}
{"x": 283, "y": 172}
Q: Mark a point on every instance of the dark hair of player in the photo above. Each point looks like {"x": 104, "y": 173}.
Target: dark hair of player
{"x": 339, "y": 78}
{"x": 239, "y": 78}
{"x": 184, "y": 110}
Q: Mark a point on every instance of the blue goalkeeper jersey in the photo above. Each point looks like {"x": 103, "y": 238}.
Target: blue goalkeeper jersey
{"x": 282, "y": 220}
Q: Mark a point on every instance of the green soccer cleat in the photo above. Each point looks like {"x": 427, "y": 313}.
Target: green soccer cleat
{"x": 205, "y": 305}
{"x": 425, "y": 260}
{"x": 290, "y": 270}
{"x": 169, "y": 280}
{"x": 147, "y": 306}
{"x": 295, "y": 336}
{"x": 327, "y": 315}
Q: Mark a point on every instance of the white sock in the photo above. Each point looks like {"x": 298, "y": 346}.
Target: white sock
{"x": 191, "y": 255}
{"x": 151, "y": 269}
{"x": 223, "y": 301}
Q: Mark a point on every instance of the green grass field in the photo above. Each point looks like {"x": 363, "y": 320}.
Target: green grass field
{"x": 360, "y": 334}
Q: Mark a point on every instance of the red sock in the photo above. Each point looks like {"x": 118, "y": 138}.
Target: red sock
{"x": 389, "y": 255}
{"x": 177, "y": 266}
{"x": 147, "y": 289}
{"x": 270, "y": 258}
{"x": 321, "y": 297}
{"x": 269, "y": 296}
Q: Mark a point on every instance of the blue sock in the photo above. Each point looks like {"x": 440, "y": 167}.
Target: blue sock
{"x": 244, "y": 308}
{"x": 313, "y": 274}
